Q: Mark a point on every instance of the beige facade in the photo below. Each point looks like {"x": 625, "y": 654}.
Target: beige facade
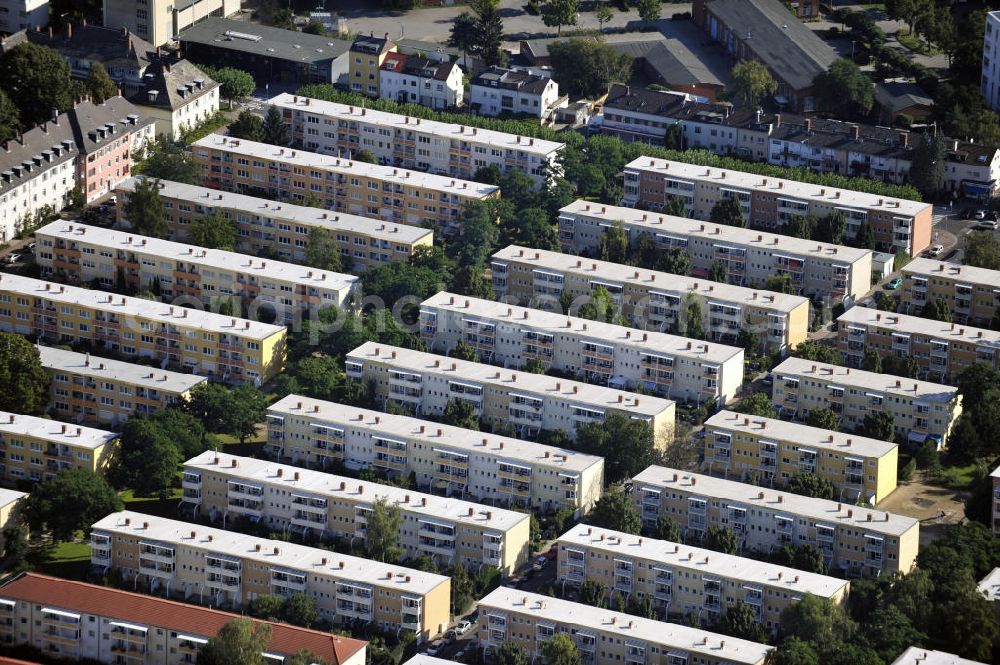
{"x": 230, "y": 569}
{"x": 36, "y": 449}
{"x": 281, "y": 229}
{"x": 382, "y": 192}
{"x": 650, "y": 300}
{"x": 750, "y": 257}
{"x": 919, "y": 409}
{"x": 860, "y": 541}
{"x": 897, "y": 224}
{"x": 774, "y": 451}
{"x": 10, "y": 503}
{"x": 448, "y": 530}
{"x": 160, "y": 21}
{"x": 604, "y": 637}
{"x": 73, "y": 620}
{"x": 971, "y": 294}
{"x": 995, "y": 476}
{"x": 223, "y": 347}
{"x": 445, "y": 460}
{"x": 81, "y": 254}
{"x": 940, "y": 349}
{"x": 424, "y": 383}
{"x": 101, "y": 390}
{"x": 414, "y": 143}
{"x": 605, "y": 354}
{"x": 686, "y": 582}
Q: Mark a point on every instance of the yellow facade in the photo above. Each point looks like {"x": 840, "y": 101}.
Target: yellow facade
{"x": 971, "y": 294}
{"x": 367, "y": 55}
{"x": 36, "y": 449}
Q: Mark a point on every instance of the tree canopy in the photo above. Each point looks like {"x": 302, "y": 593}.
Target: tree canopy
{"x": 239, "y": 642}
{"x": 626, "y": 444}
{"x": 614, "y": 510}
{"x": 71, "y": 501}
{"x": 751, "y": 83}
{"x": 586, "y": 67}
{"x": 37, "y": 79}
{"x": 845, "y": 90}
{"x": 382, "y": 531}
{"x": 25, "y": 381}
{"x": 144, "y": 209}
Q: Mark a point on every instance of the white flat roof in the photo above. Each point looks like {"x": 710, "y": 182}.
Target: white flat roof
{"x": 584, "y": 394}
{"x": 386, "y": 424}
{"x": 648, "y": 279}
{"x": 655, "y": 223}
{"x": 230, "y": 262}
{"x": 126, "y": 306}
{"x": 709, "y": 562}
{"x": 304, "y": 215}
{"x": 797, "y": 433}
{"x": 625, "y": 626}
{"x": 870, "y": 381}
{"x": 289, "y": 555}
{"x": 822, "y": 510}
{"x": 357, "y": 491}
{"x": 424, "y": 659}
{"x": 305, "y": 159}
{"x": 71, "y": 362}
{"x": 397, "y": 121}
{"x": 598, "y": 330}
{"x": 953, "y": 271}
{"x": 68, "y": 434}
{"x": 796, "y": 189}
{"x": 8, "y": 497}
{"x": 904, "y": 323}
{"x": 919, "y": 656}
{"x": 989, "y": 586}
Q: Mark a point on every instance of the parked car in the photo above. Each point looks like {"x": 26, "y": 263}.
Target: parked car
{"x": 937, "y": 250}
{"x": 435, "y": 647}
{"x": 540, "y": 563}
{"x": 894, "y": 284}
{"x": 980, "y": 214}
{"x": 988, "y": 224}
{"x": 463, "y": 627}
{"x": 867, "y": 302}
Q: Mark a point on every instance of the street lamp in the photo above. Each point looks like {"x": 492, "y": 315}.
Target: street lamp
{"x": 852, "y": 50}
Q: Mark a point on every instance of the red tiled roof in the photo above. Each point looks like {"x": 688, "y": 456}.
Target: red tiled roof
{"x": 397, "y": 57}
{"x": 170, "y": 614}
{"x": 4, "y": 660}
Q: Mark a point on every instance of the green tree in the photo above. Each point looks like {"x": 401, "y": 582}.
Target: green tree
{"x": 460, "y": 413}
{"x": 974, "y": 382}
{"x": 603, "y": 15}
{"x": 693, "y": 318}
{"x": 667, "y": 529}
{"x": 831, "y": 228}
{"x": 395, "y": 280}
{"x": 878, "y": 425}
{"x": 626, "y": 444}
{"x": 780, "y": 284}
{"x": 819, "y": 621}
{"x": 728, "y": 212}
{"x": 871, "y": 361}
{"x": 37, "y": 78}
{"x": 812, "y": 350}
{"x": 801, "y": 557}
{"x": 751, "y": 83}
{"x": 823, "y": 418}
{"x": 530, "y": 228}
{"x": 794, "y": 651}
{"x": 512, "y": 653}
{"x": 614, "y": 510}
{"x": 317, "y": 376}
{"x": 26, "y": 381}
{"x": 675, "y": 206}
{"x": 649, "y": 10}
{"x": 239, "y": 642}
{"x": 184, "y": 430}
{"x": 147, "y": 461}
{"x": 809, "y": 484}
{"x": 865, "y": 237}
{"x": 323, "y": 251}
{"x": 305, "y": 657}
{"x": 215, "y": 231}
{"x": 801, "y": 226}
{"x": 557, "y": 13}
{"x": 463, "y": 351}
{"x": 15, "y": 540}
{"x": 235, "y": 412}
{"x": 382, "y": 532}
{"x": 274, "y": 130}
{"x": 613, "y": 243}
{"x": 533, "y": 366}
{"x": 756, "y": 404}
{"x": 927, "y": 166}
{"x": 982, "y": 249}
{"x": 99, "y": 84}
{"x": 70, "y": 502}
{"x": 592, "y": 593}
{"x": 266, "y": 607}
{"x": 480, "y": 234}
{"x": 844, "y": 89}
{"x": 299, "y": 610}
{"x": 890, "y": 632}
{"x": 586, "y": 67}
{"x": 169, "y": 161}
{"x": 234, "y": 84}
{"x": 673, "y": 260}
{"x": 489, "y": 33}
{"x": 936, "y": 310}
{"x": 464, "y": 36}
{"x": 906, "y": 367}
{"x": 144, "y": 209}
{"x": 560, "y": 649}
{"x": 740, "y": 620}
{"x": 10, "y": 118}
{"x": 721, "y": 539}
{"x": 248, "y": 125}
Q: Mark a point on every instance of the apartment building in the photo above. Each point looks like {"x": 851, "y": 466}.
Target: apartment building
{"x": 450, "y": 531}
{"x": 414, "y": 143}
{"x": 996, "y": 500}
{"x": 90, "y": 147}
{"x": 496, "y": 90}
{"x": 75, "y": 620}
{"x": 920, "y": 410}
{"x": 36, "y": 449}
{"x": 919, "y": 656}
{"x": 604, "y": 637}
{"x": 109, "y": 392}
{"x": 446, "y": 460}
{"x": 424, "y": 383}
{"x": 367, "y": 55}
{"x": 603, "y": 353}
{"x": 860, "y": 541}
{"x": 683, "y": 581}
{"x": 816, "y": 269}
{"x": 991, "y": 60}
{"x": 221, "y": 347}
{"x": 230, "y": 569}
{"x": 119, "y": 260}
{"x": 651, "y": 300}
{"x": 283, "y": 230}
{"x": 897, "y": 224}
{"x": 10, "y": 503}
{"x": 161, "y": 21}
{"x": 372, "y": 190}
{"x": 18, "y": 15}
{"x": 414, "y": 79}
{"x": 940, "y": 349}
{"x": 774, "y": 451}
{"x": 971, "y": 294}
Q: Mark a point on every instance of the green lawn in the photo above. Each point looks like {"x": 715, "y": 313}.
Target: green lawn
{"x": 153, "y": 505}
{"x": 958, "y": 477}
{"x": 70, "y": 560}
{"x": 914, "y": 43}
